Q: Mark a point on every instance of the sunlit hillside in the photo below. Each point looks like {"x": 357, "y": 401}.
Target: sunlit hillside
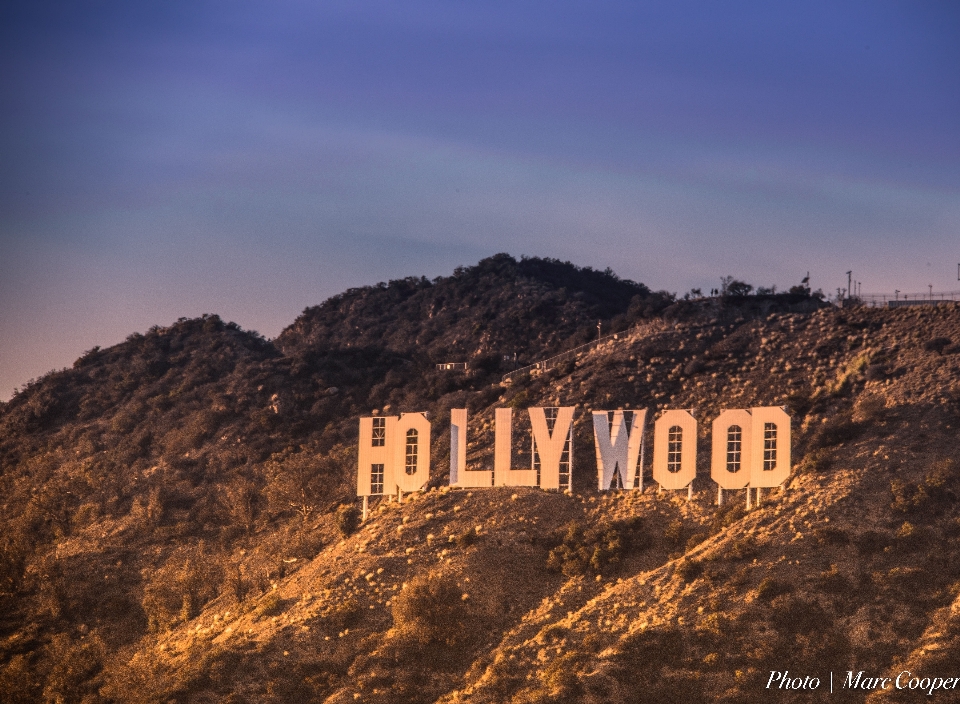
{"x": 179, "y": 520}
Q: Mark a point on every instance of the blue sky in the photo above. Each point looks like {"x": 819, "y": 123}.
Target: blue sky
{"x": 160, "y": 160}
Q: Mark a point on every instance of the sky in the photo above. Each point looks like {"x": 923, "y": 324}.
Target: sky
{"x": 169, "y": 159}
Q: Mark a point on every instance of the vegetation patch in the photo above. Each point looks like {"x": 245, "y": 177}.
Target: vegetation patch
{"x": 596, "y": 548}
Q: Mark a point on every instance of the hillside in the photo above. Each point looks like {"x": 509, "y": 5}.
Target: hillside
{"x": 479, "y": 314}
{"x": 173, "y": 530}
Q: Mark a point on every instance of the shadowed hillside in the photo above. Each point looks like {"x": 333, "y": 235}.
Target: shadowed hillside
{"x": 179, "y": 520}
{"x": 481, "y": 313}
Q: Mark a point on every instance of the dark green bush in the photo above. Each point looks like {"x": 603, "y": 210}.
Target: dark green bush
{"x": 347, "y": 518}
{"x": 828, "y": 535}
{"x": 834, "y": 582}
{"x": 797, "y": 616}
{"x": 937, "y": 344}
{"x": 837, "y": 430}
{"x": 594, "y": 548}
{"x": 178, "y": 590}
{"x": 871, "y": 542}
{"x": 689, "y": 570}
{"x": 675, "y": 533}
{"x": 743, "y": 548}
{"x": 466, "y": 538}
{"x": 270, "y": 605}
{"x": 770, "y": 588}
{"x": 431, "y": 609}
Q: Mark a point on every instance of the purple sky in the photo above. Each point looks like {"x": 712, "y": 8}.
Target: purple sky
{"x": 168, "y": 159}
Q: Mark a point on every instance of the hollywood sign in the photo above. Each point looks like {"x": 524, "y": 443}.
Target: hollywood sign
{"x": 750, "y": 449}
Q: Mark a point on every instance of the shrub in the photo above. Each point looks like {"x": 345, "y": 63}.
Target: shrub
{"x": 689, "y": 570}
{"x": 74, "y": 664}
{"x": 828, "y": 535}
{"x": 770, "y": 588}
{"x": 674, "y": 533}
{"x": 431, "y": 610}
{"x": 817, "y": 461}
{"x": 467, "y": 538}
{"x": 871, "y": 542}
{"x": 937, "y": 344}
{"x": 695, "y": 539}
{"x": 270, "y": 605}
{"x": 560, "y": 677}
{"x": 298, "y": 480}
{"x": 799, "y": 403}
{"x": 178, "y": 590}
{"x": 647, "y": 651}
{"x": 834, "y": 582}
{"x": 19, "y": 681}
{"x": 521, "y": 400}
{"x": 727, "y": 515}
{"x": 837, "y": 430}
{"x": 345, "y": 614}
{"x": 347, "y": 518}
{"x": 743, "y": 548}
{"x": 869, "y": 409}
{"x": 595, "y": 548}
{"x": 938, "y": 480}
{"x": 794, "y": 615}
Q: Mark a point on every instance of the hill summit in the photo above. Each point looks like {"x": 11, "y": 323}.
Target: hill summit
{"x": 179, "y": 520}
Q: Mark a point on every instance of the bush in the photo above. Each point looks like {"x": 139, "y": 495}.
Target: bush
{"x": 347, "y": 518}
{"x": 674, "y": 533}
{"x": 869, "y": 409}
{"x": 743, "y": 548}
{"x": 560, "y": 678}
{"x": 838, "y": 430}
{"x": 933, "y": 492}
{"x": 689, "y": 570}
{"x": 828, "y": 535}
{"x": 937, "y": 344}
{"x": 521, "y": 400}
{"x": 799, "y": 403}
{"x": 75, "y": 664}
{"x": 298, "y": 480}
{"x": 595, "y": 548}
{"x": 796, "y": 616}
{"x": 345, "y": 614}
{"x": 647, "y": 651}
{"x": 467, "y": 538}
{"x": 178, "y": 590}
{"x": 431, "y": 610}
{"x": 818, "y": 461}
{"x": 834, "y": 582}
{"x": 871, "y": 542}
{"x": 770, "y": 588}
{"x": 270, "y": 605}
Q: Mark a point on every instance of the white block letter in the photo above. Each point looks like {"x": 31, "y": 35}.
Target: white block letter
{"x": 617, "y": 451}
{"x": 412, "y": 452}
{"x": 675, "y": 449}
{"x": 459, "y": 476}
{"x": 503, "y": 472}
{"x": 731, "y": 458}
{"x": 549, "y": 446}
{"x": 770, "y": 464}
{"x": 375, "y": 469}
